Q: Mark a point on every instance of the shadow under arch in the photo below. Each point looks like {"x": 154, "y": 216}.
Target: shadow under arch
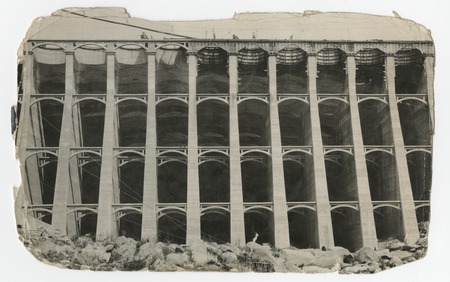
{"x": 49, "y": 69}
{"x": 213, "y": 123}
{"x": 172, "y": 228}
{"x": 291, "y": 70}
{"x": 90, "y": 69}
{"x": 172, "y": 70}
{"x": 215, "y": 227}
{"x": 335, "y": 124}
{"x": 331, "y": 71}
{"x": 253, "y": 70}
{"x": 409, "y": 71}
{"x": 347, "y": 228}
{"x": 212, "y": 77}
{"x": 132, "y": 123}
{"x": 303, "y": 228}
{"x": 370, "y": 69}
{"x": 46, "y": 120}
{"x": 415, "y": 121}
{"x": 259, "y": 223}
{"x": 131, "y": 69}
{"x": 295, "y": 122}
{"x": 388, "y": 223}
{"x": 375, "y": 122}
{"x": 172, "y": 123}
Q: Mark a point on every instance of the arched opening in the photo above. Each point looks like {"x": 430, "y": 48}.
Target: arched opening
{"x": 213, "y": 123}
{"x": 254, "y": 123}
{"x": 299, "y": 177}
{"x": 259, "y": 222}
{"x": 132, "y": 125}
{"x": 335, "y": 123}
{"x": 85, "y": 177}
{"x": 131, "y": 177}
{"x": 341, "y": 177}
{"x": 252, "y": 70}
{"x": 291, "y": 71}
{"x": 131, "y": 70}
{"x": 91, "y": 115}
{"x": 409, "y": 72}
{"x": 212, "y": 75}
{"x": 172, "y": 182}
{"x": 415, "y": 122}
{"x": 419, "y": 166}
{"x": 256, "y": 184}
{"x": 172, "y": 228}
{"x": 388, "y": 223}
{"x": 214, "y": 177}
{"x": 130, "y": 225}
{"x": 41, "y": 178}
{"x": 346, "y": 228}
{"x": 84, "y": 169}
{"x": 49, "y": 69}
{"x": 172, "y": 123}
{"x": 172, "y": 70}
{"x": 370, "y": 69}
{"x": 331, "y": 71}
{"x": 295, "y": 123}
{"x": 383, "y": 177}
{"x": 90, "y": 69}
{"x": 46, "y": 120}
{"x": 303, "y": 228}
{"x": 423, "y": 214}
{"x": 87, "y": 224}
{"x": 375, "y": 122}
{"x": 215, "y": 227}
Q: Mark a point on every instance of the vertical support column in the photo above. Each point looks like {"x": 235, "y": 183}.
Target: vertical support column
{"x": 150, "y": 197}
{"x": 324, "y": 224}
{"x": 193, "y": 231}
{"x": 410, "y": 227}
{"x": 23, "y": 135}
{"x": 105, "y": 219}
{"x": 281, "y": 225}
{"x": 237, "y": 226}
{"x": 62, "y": 182}
{"x": 368, "y": 232}
{"x": 429, "y": 71}
{"x": 30, "y": 173}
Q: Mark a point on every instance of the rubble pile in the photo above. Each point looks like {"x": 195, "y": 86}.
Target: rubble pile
{"x": 129, "y": 255}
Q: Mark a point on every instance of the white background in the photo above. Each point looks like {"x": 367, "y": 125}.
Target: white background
{"x": 16, "y": 264}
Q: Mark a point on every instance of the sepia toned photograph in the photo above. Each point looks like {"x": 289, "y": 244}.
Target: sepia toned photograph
{"x": 258, "y": 142}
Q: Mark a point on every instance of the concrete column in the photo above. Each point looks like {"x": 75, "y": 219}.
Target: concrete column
{"x": 23, "y": 134}
{"x": 106, "y": 224}
{"x": 237, "y": 226}
{"x": 368, "y": 232}
{"x": 193, "y": 231}
{"x": 281, "y": 224}
{"x": 324, "y": 224}
{"x": 66, "y": 140}
{"x": 150, "y": 197}
{"x": 410, "y": 228}
{"x": 429, "y": 71}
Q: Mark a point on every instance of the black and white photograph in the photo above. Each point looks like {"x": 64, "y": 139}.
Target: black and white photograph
{"x": 288, "y": 137}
